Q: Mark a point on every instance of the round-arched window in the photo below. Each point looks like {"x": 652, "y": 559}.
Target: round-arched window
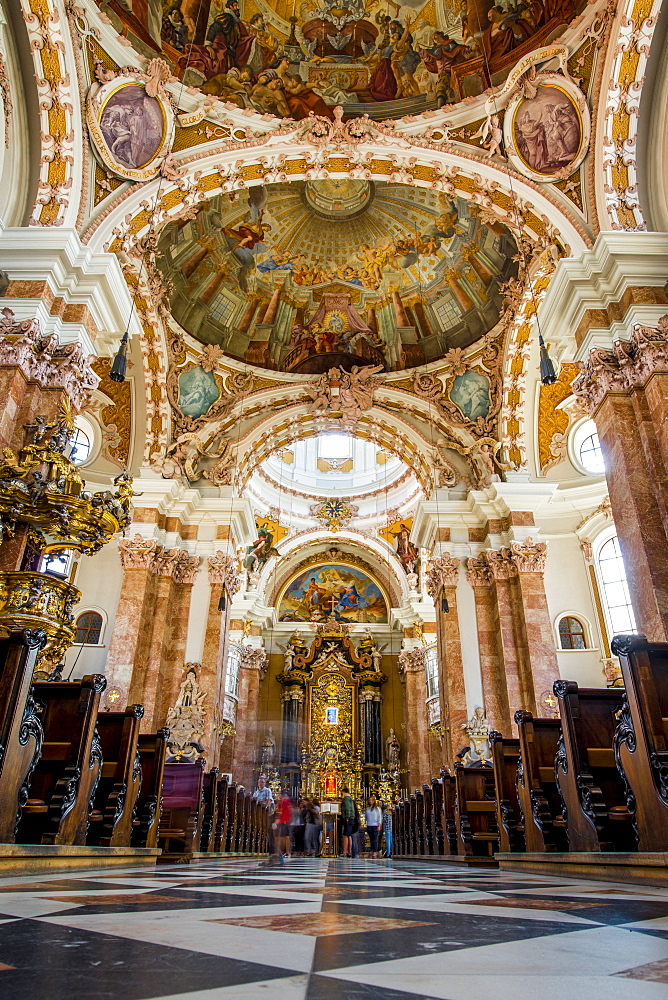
{"x": 585, "y": 449}
{"x": 89, "y": 629}
{"x": 571, "y": 633}
{"x": 80, "y": 446}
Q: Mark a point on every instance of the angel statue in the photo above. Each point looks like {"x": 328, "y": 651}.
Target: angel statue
{"x": 479, "y": 753}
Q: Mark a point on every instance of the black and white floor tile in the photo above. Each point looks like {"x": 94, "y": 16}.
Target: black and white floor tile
{"x": 329, "y": 930}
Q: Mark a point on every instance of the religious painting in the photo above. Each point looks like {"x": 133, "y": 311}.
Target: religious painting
{"x": 293, "y": 60}
{"x": 198, "y": 391}
{"x": 332, "y": 716}
{"x": 344, "y": 260}
{"x": 470, "y": 392}
{"x": 398, "y": 534}
{"x": 129, "y": 129}
{"x": 343, "y": 593}
{"x": 547, "y": 135}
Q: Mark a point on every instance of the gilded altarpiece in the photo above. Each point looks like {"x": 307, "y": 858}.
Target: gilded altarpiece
{"x": 334, "y": 758}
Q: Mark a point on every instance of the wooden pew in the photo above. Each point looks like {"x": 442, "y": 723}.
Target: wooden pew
{"x": 152, "y": 750}
{"x": 505, "y": 758}
{"x": 412, "y": 825}
{"x": 182, "y": 807}
{"x": 220, "y": 835}
{"x": 232, "y": 819}
{"x": 421, "y": 848}
{"x": 397, "y": 830}
{"x": 240, "y": 836}
{"x": 210, "y": 810}
{"x": 641, "y": 737}
{"x": 449, "y": 799}
{"x": 538, "y": 796}
{"x": 437, "y": 816}
{"x": 65, "y": 778}
{"x": 475, "y": 811}
{"x": 428, "y": 819}
{"x": 120, "y": 777}
{"x": 591, "y": 787}
{"x": 20, "y": 728}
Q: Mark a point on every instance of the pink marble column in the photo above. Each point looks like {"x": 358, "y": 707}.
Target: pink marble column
{"x": 184, "y": 572}
{"x": 272, "y": 308}
{"x": 442, "y": 581}
{"x": 490, "y": 644}
{"x": 130, "y": 636}
{"x": 193, "y": 262}
{"x": 249, "y": 313}
{"x": 246, "y": 744}
{"x": 529, "y": 558}
{"x": 212, "y": 288}
{"x": 418, "y": 757}
{"x": 222, "y": 577}
{"x": 623, "y": 390}
{"x": 463, "y": 298}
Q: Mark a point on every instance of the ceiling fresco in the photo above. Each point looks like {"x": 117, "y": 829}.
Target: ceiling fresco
{"x": 302, "y": 276}
{"x": 385, "y": 60}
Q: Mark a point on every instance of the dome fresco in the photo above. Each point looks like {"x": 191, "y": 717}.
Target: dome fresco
{"x": 291, "y": 60}
{"x": 303, "y": 276}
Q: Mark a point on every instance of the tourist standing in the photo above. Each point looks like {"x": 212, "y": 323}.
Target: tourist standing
{"x": 317, "y": 815}
{"x": 347, "y": 820}
{"x": 374, "y": 822}
{"x": 263, "y": 795}
{"x": 310, "y": 832}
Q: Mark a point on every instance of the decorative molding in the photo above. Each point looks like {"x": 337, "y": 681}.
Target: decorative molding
{"x": 42, "y": 359}
{"x": 443, "y": 572}
{"x": 348, "y": 393}
{"x": 529, "y": 556}
{"x": 223, "y": 570}
{"x": 478, "y": 572}
{"x": 501, "y": 563}
{"x": 411, "y": 661}
{"x": 254, "y": 659}
{"x": 627, "y": 366}
{"x": 138, "y": 552}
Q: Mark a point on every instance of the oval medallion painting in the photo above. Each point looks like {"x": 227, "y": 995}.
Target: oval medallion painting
{"x": 198, "y": 391}
{"x": 346, "y": 593}
{"x": 130, "y": 129}
{"x": 549, "y": 132}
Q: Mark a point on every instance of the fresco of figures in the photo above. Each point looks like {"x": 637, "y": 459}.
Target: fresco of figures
{"x": 342, "y": 592}
{"x": 434, "y": 253}
{"x": 291, "y": 59}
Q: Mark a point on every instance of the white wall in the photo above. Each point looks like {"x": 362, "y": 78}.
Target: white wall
{"x": 99, "y": 578}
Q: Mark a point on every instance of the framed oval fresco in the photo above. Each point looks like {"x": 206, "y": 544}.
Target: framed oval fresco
{"x": 547, "y": 136}
{"x": 131, "y": 131}
{"x": 345, "y": 592}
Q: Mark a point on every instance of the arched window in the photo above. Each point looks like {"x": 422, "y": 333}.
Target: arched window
{"x": 431, "y": 671}
{"x": 585, "y": 449}
{"x": 89, "y": 629}
{"x": 232, "y": 673}
{"x": 571, "y": 633}
{"x": 615, "y": 590}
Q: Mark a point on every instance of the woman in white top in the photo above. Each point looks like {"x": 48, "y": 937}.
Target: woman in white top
{"x": 374, "y": 819}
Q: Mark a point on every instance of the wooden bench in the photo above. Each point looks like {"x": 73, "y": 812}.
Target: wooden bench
{"x": 475, "y": 811}
{"x": 210, "y": 817}
{"x": 220, "y": 832}
{"x": 120, "y": 778}
{"x": 437, "y": 817}
{"x": 152, "y": 750}
{"x": 232, "y": 818}
{"x": 541, "y": 806}
{"x": 641, "y": 737}
{"x": 21, "y": 732}
{"x": 421, "y": 848}
{"x": 505, "y": 758}
{"x": 428, "y": 820}
{"x": 449, "y": 799}
{"x": 590, "y": 784}
{"x": 182, "y": 807}
{"x": 63, "y": 784}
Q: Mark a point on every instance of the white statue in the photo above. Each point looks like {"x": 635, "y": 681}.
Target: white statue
{"x": 477, "y": 729}
{"x": 269, "y": 749}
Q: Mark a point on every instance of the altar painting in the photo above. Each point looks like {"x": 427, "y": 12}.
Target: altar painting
{"x": 342, "y": 591}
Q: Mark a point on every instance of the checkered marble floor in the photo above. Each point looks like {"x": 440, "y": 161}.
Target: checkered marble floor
{"x": 329, "y": 930}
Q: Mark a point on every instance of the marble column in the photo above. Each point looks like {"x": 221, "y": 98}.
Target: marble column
{"x": 516, "y": 669}
{"x": 442, "y": 582}
{"x": 417, "y": 750}
{"x": 463, "y": 298}
{"x": 184, "y": 571}
{"x": 623, "y": 389}
{"x": 130, "y": 635}
{"x": 529, "y": 558}
{"x": 248, "y": 314}
{"x": 223, "y": 578}
{"x": 246, "y": 744}
{"x": 193, "y": 262}
{"x": 272, "y": 308}
{"x": 492, "y": 661}
{"x": 212, "y": 288}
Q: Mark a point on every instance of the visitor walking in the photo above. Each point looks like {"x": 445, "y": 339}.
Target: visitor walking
{"x": 308, "y": 817}
{"x": 317, "y": 822}
{"x": 374, "y": 822}
{"x": 264, "y": 796}
{"x": 284, "y": 819}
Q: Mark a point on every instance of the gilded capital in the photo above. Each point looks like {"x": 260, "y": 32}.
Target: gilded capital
{"x": 443, "y": 572}
{"x": 138, "y": 552}
{"x": 627, "y": 366}
{"x": 529, "y": 556}
{"x": 478, "y": 572}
